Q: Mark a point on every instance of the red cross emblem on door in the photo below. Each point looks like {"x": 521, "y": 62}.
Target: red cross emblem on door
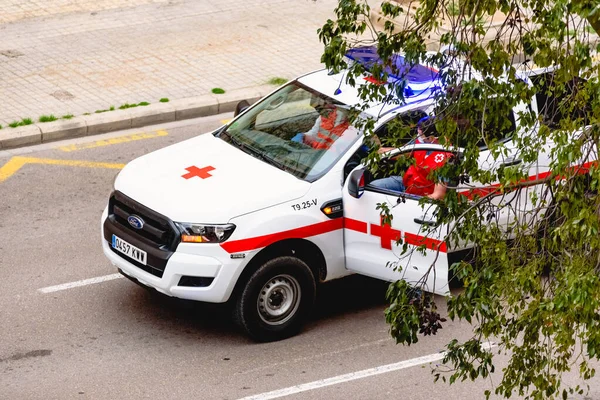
{"x": 202, "y": 173}
{"x": 386, "y": 233}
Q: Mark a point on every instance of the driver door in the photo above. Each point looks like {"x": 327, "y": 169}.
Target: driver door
{"x": 371, "y": 247}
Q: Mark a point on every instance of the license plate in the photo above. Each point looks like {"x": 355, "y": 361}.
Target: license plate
{"x": 129, "y": 250}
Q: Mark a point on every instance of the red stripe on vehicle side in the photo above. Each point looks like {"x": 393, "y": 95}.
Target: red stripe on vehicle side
{"x": 355, "y": 225}
{"x": 236, "y": 246}
{"x": 480, "y": 192}
{"x": 432, "y": 244}
{"x": 485, "y": 190}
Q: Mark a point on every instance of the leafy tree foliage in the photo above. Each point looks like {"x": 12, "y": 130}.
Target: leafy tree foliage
{"x": 532, "y": 282}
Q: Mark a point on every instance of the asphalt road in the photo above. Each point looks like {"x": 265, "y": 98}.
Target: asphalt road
{"x": 115, "y": 340}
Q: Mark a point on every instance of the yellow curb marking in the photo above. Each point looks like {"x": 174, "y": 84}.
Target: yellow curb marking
{"x": 225, "y": 121}
{"x": 117, "y": 140}
{"x": 15, "y": 163}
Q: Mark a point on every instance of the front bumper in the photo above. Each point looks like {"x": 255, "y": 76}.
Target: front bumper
{"x": 208, "y": 277}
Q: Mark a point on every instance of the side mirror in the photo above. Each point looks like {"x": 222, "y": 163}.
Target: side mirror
{"x": 241, "y": 107}
{"x": 356, "y": 183}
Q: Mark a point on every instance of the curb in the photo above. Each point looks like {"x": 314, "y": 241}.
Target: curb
{"x": 110, "y": 121}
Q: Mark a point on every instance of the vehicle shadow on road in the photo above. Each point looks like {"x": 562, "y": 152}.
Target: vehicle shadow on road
{"x": 192, "y": 320}
{"x": 349, "y": 295}
{"x": 183, "y": 319}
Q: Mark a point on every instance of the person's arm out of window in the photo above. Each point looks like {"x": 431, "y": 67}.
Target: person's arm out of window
{"x": 439, "y": 191}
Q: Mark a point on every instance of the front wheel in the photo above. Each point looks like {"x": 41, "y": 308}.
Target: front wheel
{"x": 276, "y": 300}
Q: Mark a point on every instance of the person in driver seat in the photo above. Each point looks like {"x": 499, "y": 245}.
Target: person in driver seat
{"x": 416, "y": 178}
{"x": 329, "y": 127}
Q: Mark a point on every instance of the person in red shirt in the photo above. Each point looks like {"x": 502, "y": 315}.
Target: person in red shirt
{"x": 329, "y": 127}
{"x": 416, "y": 180}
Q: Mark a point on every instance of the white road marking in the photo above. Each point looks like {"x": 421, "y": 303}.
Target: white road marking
{"x": 315, "y": 356}
{"x": 365, "y": 373}
{"x": 84, "y": 282}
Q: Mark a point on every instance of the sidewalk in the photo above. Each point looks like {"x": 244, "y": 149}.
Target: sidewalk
{"x": 75, "y": 58}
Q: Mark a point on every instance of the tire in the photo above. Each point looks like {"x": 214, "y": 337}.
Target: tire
{"x": 276, "y": 300}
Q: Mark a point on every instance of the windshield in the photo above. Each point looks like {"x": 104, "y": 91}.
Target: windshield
{"x": 295, "y": 129}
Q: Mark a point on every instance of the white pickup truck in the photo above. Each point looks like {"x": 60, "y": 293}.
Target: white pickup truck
{"x": 249, "y": 215}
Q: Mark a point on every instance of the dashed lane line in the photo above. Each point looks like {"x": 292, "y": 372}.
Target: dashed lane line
{"x": 314, "y": 356}
{"x": 84, "y": 282}
{"x": 15, "y": 163}
{"x": 365, "y": 373}
{"x": 113, "y": 141}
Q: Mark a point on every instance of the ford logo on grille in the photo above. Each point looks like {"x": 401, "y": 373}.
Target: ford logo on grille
{"x": 135, "y": 221}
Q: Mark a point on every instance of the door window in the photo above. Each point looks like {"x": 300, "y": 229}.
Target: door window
{"x": 404, "y": 123}
{"x": 554, "y": 102}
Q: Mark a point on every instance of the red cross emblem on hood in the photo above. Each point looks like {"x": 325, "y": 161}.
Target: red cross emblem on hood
{"x": 202, "y": 173}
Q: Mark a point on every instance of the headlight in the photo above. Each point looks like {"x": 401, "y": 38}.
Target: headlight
{"x": 201, "y": 233}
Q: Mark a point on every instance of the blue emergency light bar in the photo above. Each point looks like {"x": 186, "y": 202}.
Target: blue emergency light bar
{"x": 417, "y": 75}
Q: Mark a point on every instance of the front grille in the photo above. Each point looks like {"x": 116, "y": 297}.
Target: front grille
{"x": 157, "y": 228}
{"x": 158, "y": 237}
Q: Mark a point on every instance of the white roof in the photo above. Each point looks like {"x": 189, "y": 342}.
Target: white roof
{"x": 330, "y": 84}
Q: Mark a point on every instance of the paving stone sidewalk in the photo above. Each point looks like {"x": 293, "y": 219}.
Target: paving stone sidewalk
{"x": 65, "y": 57}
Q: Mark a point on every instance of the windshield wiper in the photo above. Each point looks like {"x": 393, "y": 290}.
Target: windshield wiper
{"x": 219, "y": 131}
{"x": 253, "y": 152}
{"x": 266, "y": 158}
{"x": 232, "y": 139}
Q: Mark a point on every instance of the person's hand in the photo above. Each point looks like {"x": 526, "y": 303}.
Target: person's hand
{"x": 298, "y": 138}
{"x": 384, "y": 149}
{"x": 439, "y": 192}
